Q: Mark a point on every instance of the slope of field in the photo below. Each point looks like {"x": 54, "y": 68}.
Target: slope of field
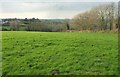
{"x": 34, "y": 53}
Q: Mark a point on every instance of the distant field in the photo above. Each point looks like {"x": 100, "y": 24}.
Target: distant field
{"x": 35, "y": 53}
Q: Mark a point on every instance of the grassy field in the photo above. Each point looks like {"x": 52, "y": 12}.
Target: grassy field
{"x": 35, "y": 53}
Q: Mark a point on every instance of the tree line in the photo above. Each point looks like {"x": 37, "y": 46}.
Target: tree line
{"x": 100, "y": 18}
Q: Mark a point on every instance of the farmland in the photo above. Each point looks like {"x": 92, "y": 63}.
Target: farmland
{"x": 79, "y": 53}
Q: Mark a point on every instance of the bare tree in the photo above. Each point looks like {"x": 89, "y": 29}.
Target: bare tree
{"x": 14, "y": 25}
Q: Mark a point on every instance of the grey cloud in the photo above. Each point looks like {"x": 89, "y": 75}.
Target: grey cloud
{"x": 59, "y": 0}
{"x": 51, "y": 9}
{"x": 38, "y": 7}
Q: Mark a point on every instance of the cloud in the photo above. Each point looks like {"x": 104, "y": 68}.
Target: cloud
{"x": 44, "y": 9}
{"x": 59, "y": 0}
{"x": 38, "y": 7}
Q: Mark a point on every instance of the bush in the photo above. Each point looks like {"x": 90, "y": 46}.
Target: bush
{"x": 6, "y": 28}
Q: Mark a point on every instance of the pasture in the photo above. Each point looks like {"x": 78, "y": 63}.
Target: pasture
{"x": 72, "y": 53}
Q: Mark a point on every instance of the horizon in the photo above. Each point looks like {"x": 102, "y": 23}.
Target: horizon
{"x": 35, "y": 18}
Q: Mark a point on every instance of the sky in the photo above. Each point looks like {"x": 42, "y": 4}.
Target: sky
{"x": 46, "y": 9}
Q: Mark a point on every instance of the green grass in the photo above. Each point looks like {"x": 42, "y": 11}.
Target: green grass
{"x": 0, "y": 53}
{"x": 35, "y": 53}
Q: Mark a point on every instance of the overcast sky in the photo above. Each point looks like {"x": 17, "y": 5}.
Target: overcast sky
{"x": 44, "y": 9}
